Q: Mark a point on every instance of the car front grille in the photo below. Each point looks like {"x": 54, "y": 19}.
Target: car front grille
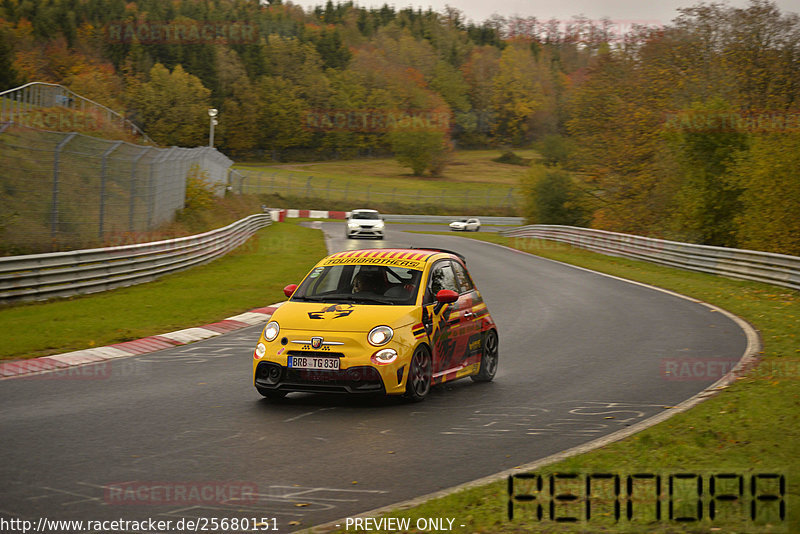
{"x": 353, "y": 380}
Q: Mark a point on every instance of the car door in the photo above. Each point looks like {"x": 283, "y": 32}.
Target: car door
{"x": 471, "y": 308}
{"x": 446, "y": 324}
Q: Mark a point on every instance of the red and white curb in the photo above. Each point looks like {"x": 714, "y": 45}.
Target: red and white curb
{"x": 138, "y": 346}
{"x": 279, "y": 215}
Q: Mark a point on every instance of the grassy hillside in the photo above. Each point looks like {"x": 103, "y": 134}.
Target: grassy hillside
{"x": 473, "y": 183}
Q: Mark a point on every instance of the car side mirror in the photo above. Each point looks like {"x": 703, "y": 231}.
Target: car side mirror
{"x": 446, "y": 296}
{"x": 289, "y": 290}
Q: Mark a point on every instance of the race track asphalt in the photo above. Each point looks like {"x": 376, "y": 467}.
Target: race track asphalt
{"x": 581, "y": 356}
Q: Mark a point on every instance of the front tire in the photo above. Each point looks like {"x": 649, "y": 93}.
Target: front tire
{"x": 420, "y": 374}
{"x": 489, "y": 359}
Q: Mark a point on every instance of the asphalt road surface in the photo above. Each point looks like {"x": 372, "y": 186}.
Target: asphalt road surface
{"x": 182, "y": 433}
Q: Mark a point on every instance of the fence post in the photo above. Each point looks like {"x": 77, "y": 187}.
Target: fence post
{"x": 54, "y": 209}
{"x": 103, "y": 168}
{"x": 151, "y": 200}
{"x": 133, "y": 186}
{"x": 510, "y": 197}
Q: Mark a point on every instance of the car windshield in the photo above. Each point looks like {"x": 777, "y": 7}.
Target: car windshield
{"x": 366, "y": 215}
{"x": 363, "y": 284}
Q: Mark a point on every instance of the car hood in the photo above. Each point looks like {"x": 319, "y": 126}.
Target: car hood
{"x": 328, "y": 317}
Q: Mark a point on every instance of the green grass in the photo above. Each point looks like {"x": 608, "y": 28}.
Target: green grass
{"x": 474, "y": 182}
{"x": 249, "y": 277}
{"x": 752, "y": 426}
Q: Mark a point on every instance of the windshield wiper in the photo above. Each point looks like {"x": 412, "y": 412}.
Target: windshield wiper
{"x": 311, "y": 298}
{"x": 364, "y": 298}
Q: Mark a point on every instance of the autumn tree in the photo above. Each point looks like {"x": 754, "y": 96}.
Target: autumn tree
{"x": 767, "y": 175}
{"x": 518, "y": 91}
{"x": 553, "y": 197}
{"x": 9, "y": 77}
{"x": 421, "y": 150}
{"x": 707, "y": 201}
{"x": 172, "y": 107}
{"x": 281, "y": 118}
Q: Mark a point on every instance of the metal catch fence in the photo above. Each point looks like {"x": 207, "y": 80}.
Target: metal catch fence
{"x": 69, "y": 190}
{"x": 51, "y": 106}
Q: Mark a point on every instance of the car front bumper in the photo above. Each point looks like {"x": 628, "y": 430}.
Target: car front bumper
{"x": 357, "y": 372}
{"x": 358, "y": 379}
{"x": 365, "y": 231}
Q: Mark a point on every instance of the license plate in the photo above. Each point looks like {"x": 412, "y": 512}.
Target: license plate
{"x": 312, "y": 362}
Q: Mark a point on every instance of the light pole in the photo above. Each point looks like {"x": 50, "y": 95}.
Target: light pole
{"x": 212, "y": 113}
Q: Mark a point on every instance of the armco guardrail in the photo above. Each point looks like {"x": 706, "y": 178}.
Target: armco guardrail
{"x": 446, "y": 219}
{"x": 62, "y": 274}
{"x": 777, "y": 269}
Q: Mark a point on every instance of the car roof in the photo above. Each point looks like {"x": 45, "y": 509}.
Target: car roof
{"x": 364, "y": 211}
{"x": 398, "y": 257}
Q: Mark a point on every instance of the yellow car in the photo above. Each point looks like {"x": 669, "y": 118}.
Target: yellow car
{"x": 379, "y": 321}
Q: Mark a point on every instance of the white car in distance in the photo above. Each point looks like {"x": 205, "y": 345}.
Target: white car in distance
{"x": 466, "y": 225}
{"x": 364, "y": 223}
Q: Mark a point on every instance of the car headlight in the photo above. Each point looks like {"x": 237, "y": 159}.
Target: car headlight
{"x": 271, "y": 331}
{"x": 384, "y": 356}
{"x": 379, "y": 224}
{"x": 261, "y": 349}
{"x": 380, "y": 335}
{"x": 352, "y": 224}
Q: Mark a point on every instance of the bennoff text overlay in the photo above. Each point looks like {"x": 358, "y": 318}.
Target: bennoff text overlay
{"x": 688, "y": 498}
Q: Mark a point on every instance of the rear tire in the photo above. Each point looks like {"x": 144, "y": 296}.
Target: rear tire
{"x": 489, "y": 359}
{"x": 420, "y": 373}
